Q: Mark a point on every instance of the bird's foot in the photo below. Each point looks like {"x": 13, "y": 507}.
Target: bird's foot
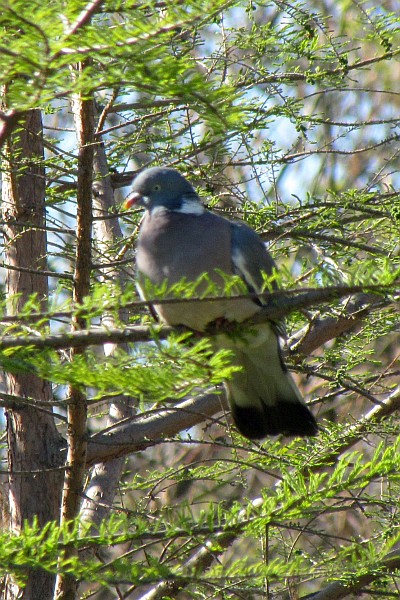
{"x": 221, "y": 325}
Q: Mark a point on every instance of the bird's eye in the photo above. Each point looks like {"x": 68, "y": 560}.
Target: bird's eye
{"x": 157, "y": 187}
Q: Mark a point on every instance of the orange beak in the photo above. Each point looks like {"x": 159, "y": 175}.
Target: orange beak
{"x": 132, "y": 200}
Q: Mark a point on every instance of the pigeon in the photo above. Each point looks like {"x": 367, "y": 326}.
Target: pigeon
{"x": 181, "y": 240}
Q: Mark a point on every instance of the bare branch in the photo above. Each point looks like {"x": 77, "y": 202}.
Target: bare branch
{"x": 320, "y": 331}
{"x": 138, "y": 434}
{"x": 142, "y": 433}
{"x": 84, "y": 16}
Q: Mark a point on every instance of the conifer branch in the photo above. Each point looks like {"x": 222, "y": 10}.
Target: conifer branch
{"x": 282, "y": 304}
{"x": 337, "y": 590}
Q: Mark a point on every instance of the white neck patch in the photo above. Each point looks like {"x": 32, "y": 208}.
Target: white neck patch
{"x": 191, "y": 207}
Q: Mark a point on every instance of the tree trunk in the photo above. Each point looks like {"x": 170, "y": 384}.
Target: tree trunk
{"x": 33, "y": 440}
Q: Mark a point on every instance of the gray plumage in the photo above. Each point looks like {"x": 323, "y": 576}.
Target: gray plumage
{"x": 179, "y": 239}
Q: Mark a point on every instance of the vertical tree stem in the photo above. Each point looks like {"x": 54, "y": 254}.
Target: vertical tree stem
{"x": 77, "y": 403}
{"x": 106, "y": 476}
{"x": 33, "y": 440}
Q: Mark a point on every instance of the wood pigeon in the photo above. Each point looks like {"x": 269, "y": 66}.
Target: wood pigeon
{"x": 180, "y": 239}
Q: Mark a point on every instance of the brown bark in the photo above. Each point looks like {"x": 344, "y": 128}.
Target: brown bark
{"x": 66, "y": 586}
{"x": 33, "y": 440}
{"x": 77, "y": 405}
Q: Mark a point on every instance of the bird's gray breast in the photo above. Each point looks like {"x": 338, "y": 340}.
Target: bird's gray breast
{"x": 173, "y": 246}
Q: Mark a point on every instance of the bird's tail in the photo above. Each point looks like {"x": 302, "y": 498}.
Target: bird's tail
{"x": 263, "y": 397}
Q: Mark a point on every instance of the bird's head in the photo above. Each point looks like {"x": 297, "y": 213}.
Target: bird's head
{"x": 161, "y": 187}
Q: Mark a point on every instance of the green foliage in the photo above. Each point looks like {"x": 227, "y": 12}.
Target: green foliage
{"x": 49, "y": 40}
{"x": 150, "y": 373}
{"x": 293, "y": 504}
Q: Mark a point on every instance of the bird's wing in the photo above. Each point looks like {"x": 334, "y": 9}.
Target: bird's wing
{"x": 251, "y": 260}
